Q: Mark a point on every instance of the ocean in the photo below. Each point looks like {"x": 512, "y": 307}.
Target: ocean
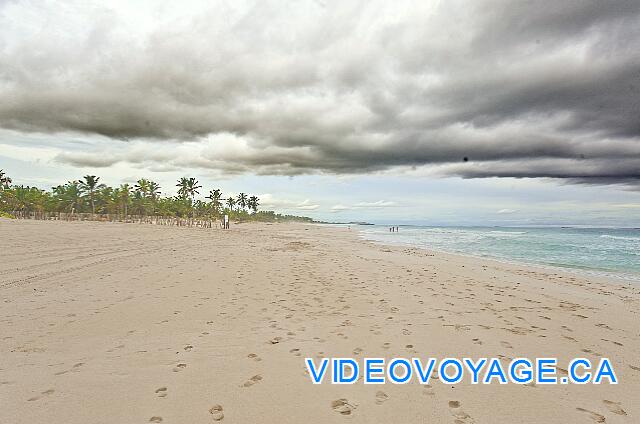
{"x": 604, "y": 251}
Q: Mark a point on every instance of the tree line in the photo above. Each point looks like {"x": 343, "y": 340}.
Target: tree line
{"x": 89, "y": 195}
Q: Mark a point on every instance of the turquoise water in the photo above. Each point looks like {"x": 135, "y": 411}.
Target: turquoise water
{"x": 598, "y": 250}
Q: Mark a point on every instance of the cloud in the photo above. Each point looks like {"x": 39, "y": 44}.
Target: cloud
{"x": 378, "y": 204}
{"x": 268, "y": 201}
{"x": 514, "y": 89}
{"x": 84, "y": 159}
{"x": 340, "y": 208}
{"x": 363, "y": 205}
{"x": 306, "y": 205}
{"x": 627, "y": 205}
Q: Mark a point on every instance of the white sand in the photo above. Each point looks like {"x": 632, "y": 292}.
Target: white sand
{"x": 127, "y": 323}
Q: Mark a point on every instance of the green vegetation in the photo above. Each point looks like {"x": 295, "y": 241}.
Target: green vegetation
{"x": 89, "y": 196}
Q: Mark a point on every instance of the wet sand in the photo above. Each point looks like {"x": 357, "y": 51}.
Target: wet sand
{"x": 130, "y": 323}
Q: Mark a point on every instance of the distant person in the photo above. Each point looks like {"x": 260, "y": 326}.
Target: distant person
{"x": 225, "y": 223}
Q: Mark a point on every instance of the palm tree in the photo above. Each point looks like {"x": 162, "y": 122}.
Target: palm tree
{"x": 104, "y": 200}
{"x": 242, "y": 200}
{"x": 69, "y": 196}
{"x": 149, "y": 189}
{"x": 193, "y": 188}
{"x": 5, "y": 181}
{"x": 215, "y": 196}
{"x": 253, "y": 203}
{"x": 183, "y": 187}
{"x": 89, "y": 187}
{"x": 146, "y": 195}
{"x": 188, "y": 187}
{"x": 154, "y": 190}
{"x": 28, "y": 199}
{"x": 142, "y": 187}
{"x": 231, "y": 202}
{"x": 124, "y": 191}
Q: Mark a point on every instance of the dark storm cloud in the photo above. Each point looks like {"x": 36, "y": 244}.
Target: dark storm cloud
{"x": 519, "y": 89}
{"x": 624, "y": 171}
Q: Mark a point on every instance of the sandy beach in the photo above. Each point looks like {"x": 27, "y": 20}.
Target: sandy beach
{"x": 131, "y": 323}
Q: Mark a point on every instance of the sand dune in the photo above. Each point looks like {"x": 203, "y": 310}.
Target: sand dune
{"x": 128, "y": 323}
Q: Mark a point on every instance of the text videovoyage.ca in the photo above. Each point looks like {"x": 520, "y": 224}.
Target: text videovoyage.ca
{"x": 455, "y": 370}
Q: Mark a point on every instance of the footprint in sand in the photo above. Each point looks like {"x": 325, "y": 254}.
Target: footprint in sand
{"x": 461, "y": 416}
{"x": 161, "y": 392}
{"x": 594, "y": 415}
{"x": 45, "y": 393}
{"x": 179, "y": 367}
{"x": 612, "y": 341}
{"x": 155, "y": 419}
{"x": 253, "y": 380}
{"x": 216, "y": 412}
{"x": 342, "y": 406}
{"x": 188, "y": 348}
{"x": 614, "y": 407}
{"x": 427, "y": 390}
{"x": 506, "y": 345}
{"x": 381, "y": 397}
{"x": 254, "y": 357}
{"x": 295, "y": 351}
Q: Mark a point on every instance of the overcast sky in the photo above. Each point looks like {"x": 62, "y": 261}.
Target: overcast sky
{"x": 500, "y": 112}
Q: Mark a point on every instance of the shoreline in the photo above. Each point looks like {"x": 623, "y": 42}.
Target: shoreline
{"x": 612, "y": 277}
{"x": 615, "y": 276}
